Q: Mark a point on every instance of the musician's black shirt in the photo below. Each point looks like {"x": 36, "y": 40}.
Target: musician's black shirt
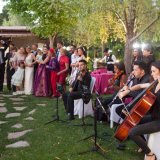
{"x": 155, "y": 109}
{"x": 86, "y": 80}
{"x": 144, "y": 79}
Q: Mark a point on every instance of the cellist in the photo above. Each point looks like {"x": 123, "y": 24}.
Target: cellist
{"x": 150, "y": 123}
{"x": 141, "y": 77}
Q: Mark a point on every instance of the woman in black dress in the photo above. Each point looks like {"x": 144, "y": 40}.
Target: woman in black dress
{"x": 150, "y": 124}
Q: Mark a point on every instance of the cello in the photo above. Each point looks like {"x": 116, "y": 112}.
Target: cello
{"x": 142, "y": 104}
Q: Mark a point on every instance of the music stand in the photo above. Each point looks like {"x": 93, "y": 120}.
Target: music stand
{"x": 83, "y": 121}
{"x": 96, "y": 147}
{"x": 56, "y": 117}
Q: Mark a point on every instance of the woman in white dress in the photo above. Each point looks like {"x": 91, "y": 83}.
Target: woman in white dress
{"x": 29, "y": 71}
{"x": 78, "y": 55}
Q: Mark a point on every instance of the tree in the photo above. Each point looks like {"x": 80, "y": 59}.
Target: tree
{"x": 95, "y": 27}
{"x": 4, "y": 15}
{"x": 46, "y": 18}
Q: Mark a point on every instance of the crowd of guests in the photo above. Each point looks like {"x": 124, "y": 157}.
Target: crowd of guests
{"x": 32, "y": 70}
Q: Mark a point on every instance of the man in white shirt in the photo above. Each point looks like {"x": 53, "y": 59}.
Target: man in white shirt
{"x": 59, "y": 46}
{"x": 109, "y": 58}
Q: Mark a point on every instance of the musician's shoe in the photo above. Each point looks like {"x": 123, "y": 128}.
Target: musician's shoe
{"x": 121, "y": 146}
{"x": 71, "y": 117}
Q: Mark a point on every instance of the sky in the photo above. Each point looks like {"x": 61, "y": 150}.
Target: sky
{"x": 2, "y": 5}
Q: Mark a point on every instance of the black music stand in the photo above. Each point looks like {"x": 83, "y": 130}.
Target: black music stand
{"x": 96, "y": 147}
{"x": 56, "y": 117}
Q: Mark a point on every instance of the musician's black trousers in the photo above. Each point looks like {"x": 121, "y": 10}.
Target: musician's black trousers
{"x": 145, "y": 127}
{"x": 2, "y": 70}
{"x": 69, "y": 98}
{"x": 119, "y": 111}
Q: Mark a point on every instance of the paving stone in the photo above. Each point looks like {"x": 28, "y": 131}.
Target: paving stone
{"x": 16, "y": 103}
{"x": 18, "y": 144}
{"x": 43, "y": 105}
{"x": 32, "y": 112}
{"x": 16, "y": 99}
{"x": 2, "y": 122}
{"x": 19, "y": 108}
{"x": 18, "y": 125}
{"x": 3, "y": 109}
{"x": 24, "y": 96}
{"x": 29, "y": 118}
{"x": 9, "y": 115}
{"x": 15, "y": 135}
{"x": 2, "y": 104}
{"x": 7, "y": 95}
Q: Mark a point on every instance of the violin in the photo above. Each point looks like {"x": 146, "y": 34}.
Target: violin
{"x": 115, "y": 77}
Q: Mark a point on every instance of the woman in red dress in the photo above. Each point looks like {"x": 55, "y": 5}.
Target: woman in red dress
{"x": 64, "y": 67}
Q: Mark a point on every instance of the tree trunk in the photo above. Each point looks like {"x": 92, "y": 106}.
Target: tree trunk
{"x": 52, "y": 40}
{"x": 130, "y": 23}
{"x": 128, "y": 57}
{"x": 102, "y": 49}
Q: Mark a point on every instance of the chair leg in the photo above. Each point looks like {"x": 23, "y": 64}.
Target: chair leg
{"x": 111, "y": 124}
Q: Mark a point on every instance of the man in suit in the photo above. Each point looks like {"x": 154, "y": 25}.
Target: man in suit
{"x": 3, "y": 47}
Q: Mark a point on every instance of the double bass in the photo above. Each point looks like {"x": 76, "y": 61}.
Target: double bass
{"x": 142, "y": 104}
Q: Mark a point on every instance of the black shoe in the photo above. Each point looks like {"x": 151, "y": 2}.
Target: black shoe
{"x": 121, "y": 146}
{"x": 71, "y": 117}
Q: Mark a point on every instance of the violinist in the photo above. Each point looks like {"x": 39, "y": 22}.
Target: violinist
{"x": 117, "y": 82}
{"x": 83, "y": 78}
{"x": 119, "y": 78}
{"x": 150, "y": 123}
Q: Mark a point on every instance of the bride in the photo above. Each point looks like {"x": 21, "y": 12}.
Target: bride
{"x": 29, "y": 71}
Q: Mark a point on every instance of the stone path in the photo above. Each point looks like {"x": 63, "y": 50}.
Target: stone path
{"x": 18, "y": 144}
{"x": 18, "y": 105}
{"x": 19, "y": 108}
{"x": 15, "y": 135}
{"x": 18, "y": 125}
{"x": 3, "y": 109}
{"x": 10, "y": 115}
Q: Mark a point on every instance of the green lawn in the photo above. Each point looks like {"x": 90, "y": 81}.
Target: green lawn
{"x": 57, "y": 141}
